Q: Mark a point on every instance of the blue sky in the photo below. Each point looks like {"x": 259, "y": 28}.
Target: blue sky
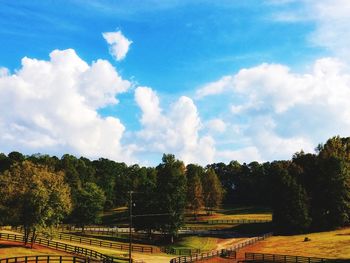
{"x": 206, "y": 80}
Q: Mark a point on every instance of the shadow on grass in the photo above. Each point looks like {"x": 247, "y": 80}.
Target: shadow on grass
{"x": 244, "y": 210}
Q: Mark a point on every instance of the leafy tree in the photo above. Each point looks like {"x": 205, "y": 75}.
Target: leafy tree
{"x": 89, "y": 205}
{"x": 145, "y": 201}
{"x": 290, "y": 207}
{"x": 33, "y": 196}
{"x": 171, "y": 191}
{"x": 213, "y": 191}
{"x": 5, "y": 162}
{"x": 194, "y": 188}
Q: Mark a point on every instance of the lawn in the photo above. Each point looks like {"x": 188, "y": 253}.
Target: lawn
{"x": 333, "y": 244}
{"x": 195, "y": 242}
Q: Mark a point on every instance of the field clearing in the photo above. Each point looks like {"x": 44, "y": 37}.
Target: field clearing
{"x": 332, "y": 244}
{"x": 194, "y": 242}
{"x": 234, "y": 213}
{"x": 16, "y": 249}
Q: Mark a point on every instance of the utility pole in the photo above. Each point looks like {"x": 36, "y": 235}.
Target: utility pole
{"x": 130, "y": 225}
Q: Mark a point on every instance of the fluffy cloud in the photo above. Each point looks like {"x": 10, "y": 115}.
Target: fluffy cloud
{"x": 332, "y": 18}
{"x": 281, "y": 112}
{"x": 175, "y": 131}
{"x": 213, "y": 88}
{"x": 51, "y": 107}
{"x": 119, "y": 44}
{"x": 216, "y": 125}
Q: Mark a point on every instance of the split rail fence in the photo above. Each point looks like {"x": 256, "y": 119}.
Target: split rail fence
{"x": 85, "y": 252}
{"x": 227, "y": 252}
{"x": 45, "y": 259}
{"x": 269, "y": 258}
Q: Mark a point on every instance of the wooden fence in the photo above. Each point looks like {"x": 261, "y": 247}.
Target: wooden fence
{"x": 180, "y": 251}
{"x": 45, "y": 258}
{"x": 227, "y": 252}
{"x": 85, "y": 252}
{"x": 101, "y": 243}
{"x": 237, "y": 221}
{"x": 107, "y": 244}
{"x": 261, "y": 258}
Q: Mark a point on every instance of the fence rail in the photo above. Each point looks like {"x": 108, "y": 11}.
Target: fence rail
{"x": 227, "y": 252}
{"x": 85, "y": 252}
{"x": 260, "y": 258}
{"x": 180, "y": 251}
{"x": 237, "y": 221}
{"x": 101, "y": 243}
{"x": 45, "y": 258}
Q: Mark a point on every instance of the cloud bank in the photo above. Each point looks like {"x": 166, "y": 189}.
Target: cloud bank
{"x": 52, "y": 106}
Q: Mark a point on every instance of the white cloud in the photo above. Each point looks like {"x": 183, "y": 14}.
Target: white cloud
{"x": 283, "y": 112}
{"x": 216, "y": 125}
{"x": 246, "y": 154}
{"x": 51, "y": 107}
{"x": 119, "y": 44}
{"x": 175, "y": 131}
{"x": 332, "y": 18}
{"x": 216, "y": 87}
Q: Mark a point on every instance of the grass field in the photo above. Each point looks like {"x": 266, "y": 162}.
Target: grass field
{"x": 333, "y": 244}
{"x": 15, "y": 249}
{"x": 240, "y": 213}
{"x": 194, "y": 242}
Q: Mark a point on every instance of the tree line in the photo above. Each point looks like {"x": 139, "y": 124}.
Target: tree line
{"x": 40, "y": 191}
{"x": 309, "y": 192}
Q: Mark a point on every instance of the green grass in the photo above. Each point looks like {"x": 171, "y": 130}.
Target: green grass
{"x": 195, "y": 242}
{"x": 332, "y": 244}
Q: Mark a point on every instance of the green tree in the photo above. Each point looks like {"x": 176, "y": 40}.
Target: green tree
{"x": 89, "y": 205}
{"x": 194, "y": 188}
{"x": 145, "y": 201}
{"x": 33, "y": 196}
{"x": 213, "y": 191}
{"x": 171, "y": 190}
{"x": 290, "y": 207}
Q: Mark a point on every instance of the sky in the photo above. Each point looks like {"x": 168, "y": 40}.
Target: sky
{"x": 208, "y": 81}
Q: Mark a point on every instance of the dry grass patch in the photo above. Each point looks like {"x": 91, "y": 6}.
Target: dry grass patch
{"x": 332, "y": 244}
{"x": 15, "y": 249}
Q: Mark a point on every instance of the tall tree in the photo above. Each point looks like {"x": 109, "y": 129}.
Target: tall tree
{"x": 194, "y": 188}
{"x": 89, "y": 205}
{"x": 290, "y": 207}
{"x": 213, "y": 191}
{"x": 33, "y": 196}
{"x": 171, "y": 189}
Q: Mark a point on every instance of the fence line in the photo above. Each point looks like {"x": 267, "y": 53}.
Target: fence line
{"x": 88, "y": 253}
{"x": 45, "y": 258}
{"x": 237, "y": 221}
{"x": 180, "y": 251}
{"x": 260, "y": 257}
{"x": 101, "y": 243}
{"x": 227, "y": 252}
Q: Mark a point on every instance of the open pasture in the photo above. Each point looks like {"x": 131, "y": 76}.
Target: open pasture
{"x": 16, "y": 249}
{"x": 332, "y": 244}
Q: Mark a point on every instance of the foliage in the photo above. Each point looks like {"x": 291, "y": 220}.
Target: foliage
{"x": 171, "y": 194}
{"x": 89, "y": 205}
{"x": 195, "y": 200}
{"x": 33, "y": 196}
{"x": 213, "y": 191}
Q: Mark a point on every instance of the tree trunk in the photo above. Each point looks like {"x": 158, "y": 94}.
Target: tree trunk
{"x": 26, "y": 234}
{"x": 33, "y": 238}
